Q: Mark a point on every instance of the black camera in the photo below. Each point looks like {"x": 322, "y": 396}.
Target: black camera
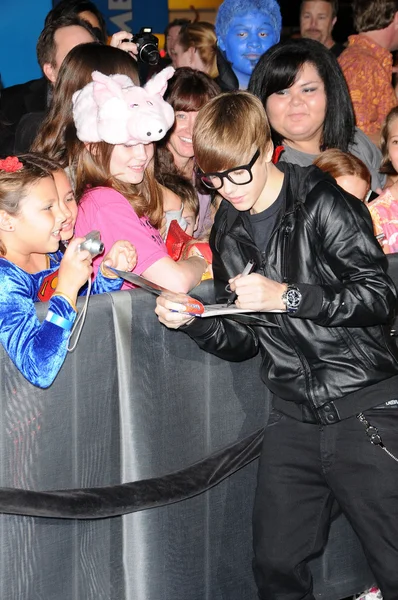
{"x": 147, "y": 45}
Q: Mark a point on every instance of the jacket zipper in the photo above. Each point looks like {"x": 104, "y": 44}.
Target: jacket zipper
{"x": 358, "y": 348}
{"x": 264, "y": 254}
{"x": 302, "y": 359}
{"x": 285, "y": 253}
{"x": 285, "y": 248}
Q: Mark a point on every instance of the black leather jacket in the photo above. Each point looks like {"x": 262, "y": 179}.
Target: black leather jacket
{"x": 337, "y": 345}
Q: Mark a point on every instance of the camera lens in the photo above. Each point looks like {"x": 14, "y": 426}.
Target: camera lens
{"x": 149, "y": 54}
{"x": 96, "y": 247}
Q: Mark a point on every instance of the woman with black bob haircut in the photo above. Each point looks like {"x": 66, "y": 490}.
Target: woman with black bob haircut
{"x": 308, "y": 105}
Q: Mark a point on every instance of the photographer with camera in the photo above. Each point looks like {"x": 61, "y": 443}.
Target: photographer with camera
{"x": 33, "y": 269}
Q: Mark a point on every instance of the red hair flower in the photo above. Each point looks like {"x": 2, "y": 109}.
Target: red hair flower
{"x": 11, "y": 164}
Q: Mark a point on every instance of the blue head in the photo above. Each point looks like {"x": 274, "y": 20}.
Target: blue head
{"x": 245, "y": 30}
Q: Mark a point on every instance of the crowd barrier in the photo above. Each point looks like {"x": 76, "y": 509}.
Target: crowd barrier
{"x": 150, "y": 445}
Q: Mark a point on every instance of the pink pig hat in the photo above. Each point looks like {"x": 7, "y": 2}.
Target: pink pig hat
{"x": 112, "y": 109}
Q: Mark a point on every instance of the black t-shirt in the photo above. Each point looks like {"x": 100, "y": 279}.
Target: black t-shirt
{"x": 263, "y": 223}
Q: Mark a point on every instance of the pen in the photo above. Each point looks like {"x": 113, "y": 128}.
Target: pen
{"x": 248, "y": 269}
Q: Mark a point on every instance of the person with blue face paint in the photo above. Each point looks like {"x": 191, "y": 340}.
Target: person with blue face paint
{"x": 245, "y": 30}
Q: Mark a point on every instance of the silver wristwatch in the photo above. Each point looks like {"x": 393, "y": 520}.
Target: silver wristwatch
{"x": 291, "y": 298}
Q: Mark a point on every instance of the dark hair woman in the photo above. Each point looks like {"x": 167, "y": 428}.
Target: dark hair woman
{"x": 308, "y": 105}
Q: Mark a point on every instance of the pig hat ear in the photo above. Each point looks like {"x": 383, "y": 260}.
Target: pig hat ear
{"x": 112, "y": 109}
{"x": 158, "y": 83}
{"x": 105, "y": 88}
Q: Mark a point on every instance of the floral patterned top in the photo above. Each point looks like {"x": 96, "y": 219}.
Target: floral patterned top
{"x": 367, "y": 68}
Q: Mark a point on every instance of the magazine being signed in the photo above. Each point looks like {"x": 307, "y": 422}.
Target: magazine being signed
{"x": 194, "y": 307}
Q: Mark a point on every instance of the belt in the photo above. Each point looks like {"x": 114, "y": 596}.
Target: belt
{"x": 327, "y": 414}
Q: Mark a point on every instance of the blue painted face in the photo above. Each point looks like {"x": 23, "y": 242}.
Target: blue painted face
{"x": 249, "y": 36}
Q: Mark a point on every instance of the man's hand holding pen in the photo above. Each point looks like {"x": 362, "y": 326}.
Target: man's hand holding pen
{"x": 246, "y": 271}
{"x": 257, "y": 292}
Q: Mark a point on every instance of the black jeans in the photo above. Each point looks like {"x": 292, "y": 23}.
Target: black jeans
{"x": 303, "y": 468}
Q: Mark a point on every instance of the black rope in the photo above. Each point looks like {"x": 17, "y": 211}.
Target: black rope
{"x": 117, "y": 500}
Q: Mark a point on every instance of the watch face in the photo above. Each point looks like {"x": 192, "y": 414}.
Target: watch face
{"x": 293, "y": 298}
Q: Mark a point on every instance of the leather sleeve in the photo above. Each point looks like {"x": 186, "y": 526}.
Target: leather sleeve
{"x": 223, "y": 336}
{"x": 363, "y": 294}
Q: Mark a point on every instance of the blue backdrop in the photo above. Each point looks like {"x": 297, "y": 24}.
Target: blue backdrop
{"x": 131, "y": 15}
{"x": 21, "y": 22}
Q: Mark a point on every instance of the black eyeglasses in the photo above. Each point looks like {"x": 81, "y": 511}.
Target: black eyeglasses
{"x": 237, "y": 175}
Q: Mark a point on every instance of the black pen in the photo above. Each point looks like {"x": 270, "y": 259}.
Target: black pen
{"x": 248, "y": 269}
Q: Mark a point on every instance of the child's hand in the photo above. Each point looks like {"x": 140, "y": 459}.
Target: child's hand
{"x": 122, "y": 256}
{"x": 75, "y": 269}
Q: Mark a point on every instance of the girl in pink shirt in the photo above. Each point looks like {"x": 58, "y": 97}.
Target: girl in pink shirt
{"x": 117, "y": 124}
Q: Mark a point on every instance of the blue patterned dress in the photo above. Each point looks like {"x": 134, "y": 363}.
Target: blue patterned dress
{"x": 38, "y": 349}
